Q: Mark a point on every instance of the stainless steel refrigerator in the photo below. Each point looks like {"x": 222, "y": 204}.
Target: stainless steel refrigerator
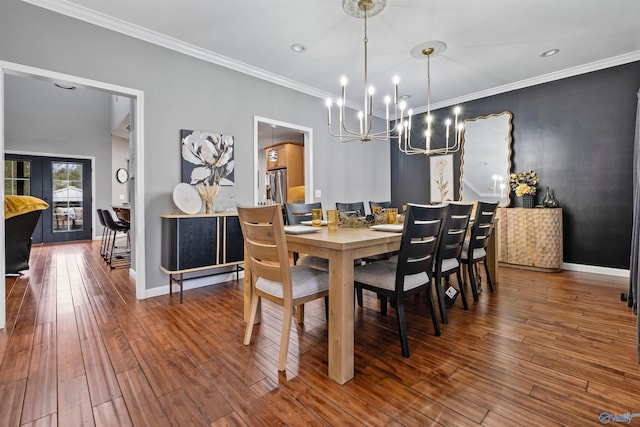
{"x": 277, "y": 186}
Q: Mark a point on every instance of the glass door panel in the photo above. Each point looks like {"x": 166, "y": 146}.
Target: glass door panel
{"x": 67, "y": 196}
{"x": 17, "y": 178}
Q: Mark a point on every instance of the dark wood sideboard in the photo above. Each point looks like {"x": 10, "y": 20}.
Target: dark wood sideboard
{"x": 192, "y": 243}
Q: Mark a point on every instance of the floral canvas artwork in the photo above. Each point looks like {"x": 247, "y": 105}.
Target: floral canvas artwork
{"x": 207, "y": 158}
{"x": 441, "y": 178}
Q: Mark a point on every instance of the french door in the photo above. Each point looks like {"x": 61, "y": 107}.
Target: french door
{"x": 65, "y": 184}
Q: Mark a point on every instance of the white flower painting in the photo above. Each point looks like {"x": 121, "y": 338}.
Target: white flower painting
{"x": 441, "y": 178}
{"x": 207, "y": 157}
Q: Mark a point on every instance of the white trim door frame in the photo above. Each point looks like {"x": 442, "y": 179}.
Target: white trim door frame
{"x": 136, "y": 174}
{"x": 308, "y": 155}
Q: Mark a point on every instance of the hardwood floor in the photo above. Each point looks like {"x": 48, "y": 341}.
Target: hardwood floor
{"x": 79, "y": 349}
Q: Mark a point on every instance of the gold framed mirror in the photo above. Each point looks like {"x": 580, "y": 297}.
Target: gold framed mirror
{"x": 485, "y": 159}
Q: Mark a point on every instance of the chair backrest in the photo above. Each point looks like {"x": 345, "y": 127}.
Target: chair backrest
{"x": 109, "y": 222}
{"x": 352, "y": 207}
{"x": 298, "y": 212}
{"x": 422, "y": 228}
{"x": 482, "y": 225}
{"x": 454, "y": 232}
{"x": 382, "y": 205}
{"x": 101, "y": 218}
{"x": 266, "y": 244}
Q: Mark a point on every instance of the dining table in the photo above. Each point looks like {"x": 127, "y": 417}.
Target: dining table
{"x": 341, "y": 248}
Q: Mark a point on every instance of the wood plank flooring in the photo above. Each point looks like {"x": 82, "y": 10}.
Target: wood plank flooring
{"x": 544, "y": 349}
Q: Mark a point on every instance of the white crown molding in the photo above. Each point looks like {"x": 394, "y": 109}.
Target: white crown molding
{"x": 92, "y": 17}
{"x": 545, "y": 78}
{"x": 123, "y": 27}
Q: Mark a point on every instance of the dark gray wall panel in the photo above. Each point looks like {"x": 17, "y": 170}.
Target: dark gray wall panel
{"x": 577, "y": 134}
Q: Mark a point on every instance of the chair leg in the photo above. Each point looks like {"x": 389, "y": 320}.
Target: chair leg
{"x": 440, "y": 294}
{"x": 462, "y": 291}
{"x": 432, "y": 310}
{"x": 284, "y": 339}
{"x": 472, "y": 280}
{"x": 300, "y": 313}
{"x": 478, "y": 277}
{"x": 113, "y": 245}
{"x": 359, "y": 295}
{"x": 252, "y": 319}
{"x": 486, "y": 270}
{"x": 402, "y": 328}
{"x": 383, "y": 304}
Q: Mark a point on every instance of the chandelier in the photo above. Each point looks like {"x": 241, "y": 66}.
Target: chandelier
{"x": 451, "y": 144}
{"x": 364, "y": 9}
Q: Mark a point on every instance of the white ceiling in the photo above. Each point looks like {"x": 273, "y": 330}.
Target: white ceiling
{"x": 493, "y": 45}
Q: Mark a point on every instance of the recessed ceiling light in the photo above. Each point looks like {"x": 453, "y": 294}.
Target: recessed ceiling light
{"x": 298, "y": 47}
{"x": 405, "y": 96}
{"x": 548, "y": 53}
{"x": 65, "y": 86}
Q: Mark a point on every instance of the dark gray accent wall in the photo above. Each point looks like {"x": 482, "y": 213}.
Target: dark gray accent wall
{"x": 577, "y": 134}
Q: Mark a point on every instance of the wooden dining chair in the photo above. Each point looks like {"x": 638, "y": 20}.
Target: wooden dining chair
{"x": 413, "y": 271}
{"x": 474, "y": 250}
{"x": 271, "y": 275}
{"x": 449, "y": 253}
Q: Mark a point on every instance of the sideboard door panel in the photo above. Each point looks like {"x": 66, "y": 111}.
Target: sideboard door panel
{"x": 233, "y": 243}
{"x": 189, "y": 242}
{"x": 531, "y": 238}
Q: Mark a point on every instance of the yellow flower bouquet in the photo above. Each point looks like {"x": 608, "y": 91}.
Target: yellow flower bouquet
{"x": 523, "y": 183}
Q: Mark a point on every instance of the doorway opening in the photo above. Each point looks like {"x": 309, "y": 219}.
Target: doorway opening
{"x": 268, "y": 133}
{"x": 136, "y": 174}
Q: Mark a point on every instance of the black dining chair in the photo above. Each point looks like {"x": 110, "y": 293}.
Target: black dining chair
{"x": 449, "y": 253}
{"x": 382, "y": 205}
{"x": 356, "y": 208}
{"x": 474, "y": 250}
{"x": 296, "y": 213}
{"x": 413, "y": 271}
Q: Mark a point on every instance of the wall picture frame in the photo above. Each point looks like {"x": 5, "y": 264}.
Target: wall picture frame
{"x": 207, "y": 157}
{"x": 441, "y": 178}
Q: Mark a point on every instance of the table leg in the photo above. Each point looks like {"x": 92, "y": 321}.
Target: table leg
{"x": 492, "y": 256}
{"x": 341, "y": 335}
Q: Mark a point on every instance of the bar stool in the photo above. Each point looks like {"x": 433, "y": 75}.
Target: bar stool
{"x": 121, "y": 258}
{"x": 105, "y": 235}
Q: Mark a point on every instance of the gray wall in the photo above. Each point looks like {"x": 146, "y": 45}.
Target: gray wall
{"x": 186, "y": 93}
{"x": 43, "y": 119}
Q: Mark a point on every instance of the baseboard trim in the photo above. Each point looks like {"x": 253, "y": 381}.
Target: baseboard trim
{"x": 607, "y": 271}
{"x": 197, "y": 282}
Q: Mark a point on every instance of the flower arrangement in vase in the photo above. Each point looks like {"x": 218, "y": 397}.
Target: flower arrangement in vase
{"x": 524, "y": 185}
{"x": 213, "y": 154}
